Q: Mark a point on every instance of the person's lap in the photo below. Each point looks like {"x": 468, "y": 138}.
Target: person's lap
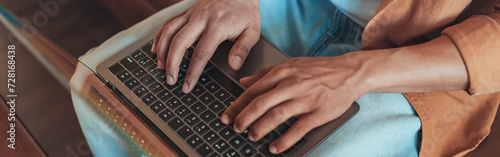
{"x": 386, "y": 123}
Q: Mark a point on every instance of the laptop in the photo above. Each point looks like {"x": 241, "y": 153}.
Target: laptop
{"x": 156, "y": 119}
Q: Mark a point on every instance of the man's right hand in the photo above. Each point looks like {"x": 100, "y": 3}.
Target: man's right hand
{"x": 210, "y": 22}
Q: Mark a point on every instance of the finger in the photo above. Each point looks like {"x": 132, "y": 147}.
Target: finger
{"x": 306, "y": 123}
{"x": 275, "y": 117}
{"x": 241, "y": 48}
{"x": 204, "y": 50}
{"x": 169, "y": 31}
{"x": 160, "y": 30}
{"x": 260, "y": 105}
{"x": 180, "y": 42}
{"x": 250, "y": 80}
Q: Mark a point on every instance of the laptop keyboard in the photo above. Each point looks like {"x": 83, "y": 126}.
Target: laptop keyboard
{"x": 194, "y": 116}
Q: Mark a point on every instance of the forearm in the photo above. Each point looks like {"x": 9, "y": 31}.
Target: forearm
{"x": 434, "y": 66}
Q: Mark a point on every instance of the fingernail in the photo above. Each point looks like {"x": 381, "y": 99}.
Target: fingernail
{"x": 170, "y": 80}
{"x": 185, "y": 87}
{"x": 272, "y": 149}
{"x": 224, "y": 119}
{"x": 236, "y": 62}
{"x": 236, "y": 129}
{"x": 160, "y": 65}
{"x": 250, "y": 137}
{"x": 153, "y": 48}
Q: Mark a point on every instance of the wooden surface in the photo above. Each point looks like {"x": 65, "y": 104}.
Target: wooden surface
{"x": 24, "y": 143}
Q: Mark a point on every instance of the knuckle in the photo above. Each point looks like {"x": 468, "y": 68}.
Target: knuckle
{"x": 278, "y": 113}
{"x": 199, "y": 54}
{"x": 177, "y": 39}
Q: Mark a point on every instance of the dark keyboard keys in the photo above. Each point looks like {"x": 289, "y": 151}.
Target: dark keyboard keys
{"x": 198, "y": 108}
{"x": 140, "y": 91}
{"x": 212, "y": 87}
{"x": 175, "y": 123}
{"x": 231, "y": 153}
{"x": 146, "y": 62}
{"x": 207, "y": 116}
{"x": 256, "y": 144}
{"x": 148, "y": 99}
{"x": 157, "y": 107}
{"x": 115, "y": 69}
{"x": 225, "y": 82}
{"x": 192, "y": 120}
{"x": 247, "y": 150}
{"x": 164, "y": 95}
{"x": 222, "y": 95}
{"x": 129, "y": 64}
{"x": 204, "y": 79}
{"x": 166, "y": 115}
{"x": 182, "y": 111}
{"x": 227, "y": 133}
{"x": 208, "y": 66}
{"x": 148, "y": 79}
{"x": 214, "y": 155}
{"x": 204, "y": 150}
{"x": 211, "y": 137}
{"x": 185, "y": 64}
{"x": 237, "y": 142}
{"x": 217, "y": 125}
{"x": 189, "y": 99}
{"x": 282, "y": 128}
{"x": 206, "y": 98}
{"x": 139, "y": 72}
{"x": 270, "y": 137}
{"x": 153, "y": 70}
{"x": 198, "y": 90}
{"x": 147, "y": 49}
{"x": 229, "y": 101}
{"x": 161, "y": 77}
{"x": 155, "y": 87}
{"x": 178, "y": 92}
{"x": 138, "y": 55}
{"x": 220, "y": 146}
{"x": 201, "y": 128}
{"x": 194, "y": 141}
{"x": 185, "y": 132}
{"x": 124, "y": 76}
{"x": 181, "y": 76}
{"x": 173, "y": 103}
{"x": 132, "y": 83}
{"x": 216, "y": 106}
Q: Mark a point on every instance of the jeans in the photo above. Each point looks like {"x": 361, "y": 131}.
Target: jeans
{"x": 386, "y": 124}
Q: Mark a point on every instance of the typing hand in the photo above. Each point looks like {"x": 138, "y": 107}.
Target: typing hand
{"x": 315, "y": 90}
{"x": 210, "y": 22}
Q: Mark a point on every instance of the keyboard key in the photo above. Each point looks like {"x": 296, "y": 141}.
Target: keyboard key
{"x": 208, "y": 66}
{"x": 211, "y": 137}
{"x": 222, "y": 95}
{"x": 198, "y": 90}
{"x": 227, "y": 133}
{"x": 139, "y": 72}
{"x": 147, "y": 50}
{"x": 231, "y": 153}
{"x": 185, "y": 132}
{"x": 148, "y": 99}
{"x": 115, "y": 69}
{"x": 214, "y": 155}
{"x": 140, "y": 91}
{"x": 182, "y": 75}
{"x": 217, "y": 125}
{"x": 204, "y": 150}
{"x": 138, "y": 55}
{"x": 155, "y": 87}
{"x": 147, "y": 80}
{"x": 201, "y": 128}
{"x": 207, "y": 116}
{"x": 175, "y": 123}
{"x": 189, "y": 99}
{"x": 282, "y": 128}
{"x": 212, "y": 87}
{"x": 153, "y": 70}
{"x": 161, "y": 77}
{"x": 225, "y": 82}
{"x": 132, "y": 83}
{"x": 178, "y": 92}
{"x": 164, "y": 95}
{"x": 204, "y": 79}
{"x": 185, "y": 64}
{"x": 198, "y": 108}
{"x": 216, "y": 106}
{"x": 192, "y": 120}
{"x": 194, "y": 141}
{"x": 237, "y": 142}
{"x": 173, "y": 103}
{"x": 146, "y": 62}
{"x": 229, "y": 101}
{"x": 124, "y": 76}
{"x": 247, "y": 150}
{"x": 207, "y": 98}
{"x": 220, "y": 146}
{"x": 182, "y": 111}
{"x": 270, "y": 137}
{"x": 258, "y": 143}
{"x": 166, "y": 115}
{"x": 129, "y": 64}
{"x": 157, "y": 107}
